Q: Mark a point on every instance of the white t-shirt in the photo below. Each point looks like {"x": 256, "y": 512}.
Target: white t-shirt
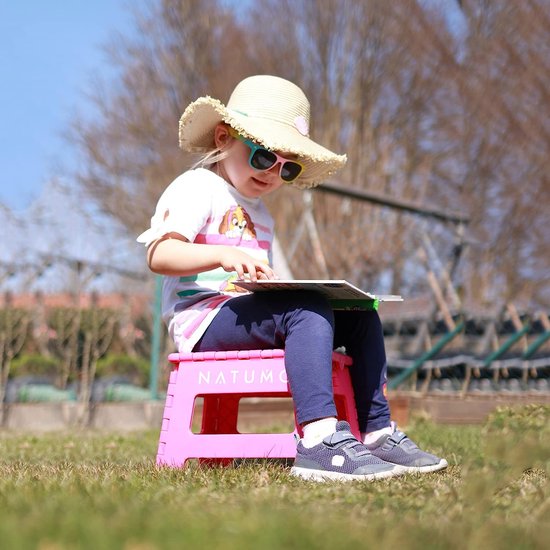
{"x": 202, "y": 207}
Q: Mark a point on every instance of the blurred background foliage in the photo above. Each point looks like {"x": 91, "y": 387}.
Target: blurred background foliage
{"x": 447, "y": 110}
{"x": 442, "y": 104}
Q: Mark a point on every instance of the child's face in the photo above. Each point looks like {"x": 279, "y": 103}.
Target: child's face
{"x": 235, "y": 168}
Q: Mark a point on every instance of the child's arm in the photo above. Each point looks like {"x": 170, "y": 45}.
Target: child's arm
{"x": 174, "y": 255}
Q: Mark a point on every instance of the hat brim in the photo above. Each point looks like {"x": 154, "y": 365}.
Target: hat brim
{"x": 196, "y": 134}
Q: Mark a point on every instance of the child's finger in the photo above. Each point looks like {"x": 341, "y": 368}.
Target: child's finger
{"x": 251, "y": 269}
{"x": 240, "y": 271}
{"x": 266, "y": 271}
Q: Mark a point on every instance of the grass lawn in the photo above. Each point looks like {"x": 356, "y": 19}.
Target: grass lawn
{"x": 89, "y": 490}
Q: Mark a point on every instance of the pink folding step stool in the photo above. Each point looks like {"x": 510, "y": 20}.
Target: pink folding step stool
{"x": 222, "y": 378}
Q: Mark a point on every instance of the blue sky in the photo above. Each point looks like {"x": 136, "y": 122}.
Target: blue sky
{"x": 48, "y": 52}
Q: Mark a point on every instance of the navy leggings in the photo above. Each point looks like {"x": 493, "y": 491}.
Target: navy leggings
{"x": 304, "y": 325}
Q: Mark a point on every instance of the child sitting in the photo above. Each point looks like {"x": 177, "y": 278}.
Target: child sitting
{"x": 211, "y": 227}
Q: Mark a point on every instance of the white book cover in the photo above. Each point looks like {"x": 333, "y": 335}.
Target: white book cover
{"x": 332, "y": 289}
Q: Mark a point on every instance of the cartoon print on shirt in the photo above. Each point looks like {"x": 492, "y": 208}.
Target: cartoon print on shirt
{"x": 228, "y": 286}
{"x": 236, "y": 223}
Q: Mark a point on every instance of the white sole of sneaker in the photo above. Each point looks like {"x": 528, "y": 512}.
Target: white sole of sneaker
{"x": 323, "y": 475}
{"x": 425, "y": 469}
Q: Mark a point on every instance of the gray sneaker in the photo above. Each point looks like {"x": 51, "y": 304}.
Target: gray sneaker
{"x": 340, "y": 457}
{"x": 398, "y": 449}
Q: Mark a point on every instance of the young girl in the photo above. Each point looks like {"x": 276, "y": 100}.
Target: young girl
{"x": 210, "y": 228}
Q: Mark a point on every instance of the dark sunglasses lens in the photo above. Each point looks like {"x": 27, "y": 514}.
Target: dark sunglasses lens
{"x": 262, "y": 159}
{"x": 291, "y": 170}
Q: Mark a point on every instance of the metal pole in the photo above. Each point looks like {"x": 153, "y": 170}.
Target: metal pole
{"x": 536, "y": 344}
{"x": 400, "y": 204}
{"x": 156, "y": 337}
{"x": 507, "y": 345}
{"x": 442, "y": 342}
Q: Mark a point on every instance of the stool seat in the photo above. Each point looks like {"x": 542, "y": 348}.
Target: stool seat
{"x": 222, "y": 379}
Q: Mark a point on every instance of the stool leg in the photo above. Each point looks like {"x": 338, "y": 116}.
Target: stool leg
{"x": 228, "y": 414}
{"x": 344, "y": 399}
{"x": 219, "y": 416}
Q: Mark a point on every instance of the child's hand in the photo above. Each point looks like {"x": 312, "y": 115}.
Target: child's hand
{"x": 233, "y": 259}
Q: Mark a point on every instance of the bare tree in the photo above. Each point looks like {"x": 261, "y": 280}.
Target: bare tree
{"x": 452, "y": 119}
{"x": 501, "y": 149}
{"x": 130, "y": 149}
{"x": 14, "y": 330}
{"x": 98, "y": 327}
{"x": 65, "y": 325}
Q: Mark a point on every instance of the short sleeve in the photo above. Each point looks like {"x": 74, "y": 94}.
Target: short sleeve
{"x": 184, "y": 208}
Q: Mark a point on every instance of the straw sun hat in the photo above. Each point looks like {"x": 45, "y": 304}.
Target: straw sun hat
{"x": 272, "y": 112}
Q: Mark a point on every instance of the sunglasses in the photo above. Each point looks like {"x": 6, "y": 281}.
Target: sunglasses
{"x": 262, "y": 159}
